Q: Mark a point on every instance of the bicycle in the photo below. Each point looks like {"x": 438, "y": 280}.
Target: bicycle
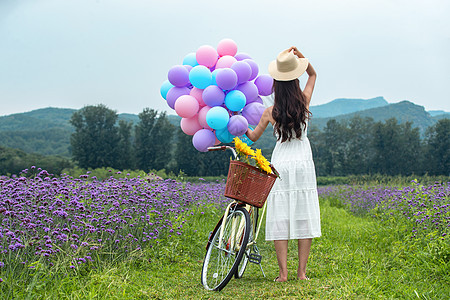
{"x": 232, "y": 243}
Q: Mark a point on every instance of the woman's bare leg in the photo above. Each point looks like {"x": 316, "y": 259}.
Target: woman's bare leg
{"x": 304, "y": 246}
{"x": 281, "y": 248}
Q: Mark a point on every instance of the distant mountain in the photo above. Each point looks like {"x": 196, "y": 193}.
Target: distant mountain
{"x": 38, "y": 120}
{"x": 404, "y": 111}
{"x": 345, "y": 106}
{"x": 434, "y": 113}
{"x": 47, "y": 118}
{"x": 445, "y": 115}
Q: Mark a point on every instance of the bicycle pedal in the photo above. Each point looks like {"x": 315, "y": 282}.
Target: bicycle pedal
{"x": 255, "y": 258}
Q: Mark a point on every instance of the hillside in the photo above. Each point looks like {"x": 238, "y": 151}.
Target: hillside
{"x": 404, "y": 111}
{"x": 345, "y": 106}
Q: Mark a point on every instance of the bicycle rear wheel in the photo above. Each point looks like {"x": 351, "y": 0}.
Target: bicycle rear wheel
{"x": 223, "y": 256}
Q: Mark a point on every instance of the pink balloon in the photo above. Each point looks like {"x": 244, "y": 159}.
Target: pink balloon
{"x": 202, "y": 117}
{"x": 253, "y": 112}
{"x": 206, "y": 56}
{"x": 264, "y": 83}
{"x": 174, "y": 93}
{"x": 186, "y": 106}
{"x": 190, "y": 125}
{"x": 203, "y": 139}
{"x": 227, "y": 47}
{"x": 217, "y": 142}
{"x": 198, "y": 94}
{"x": 225, "y": 62}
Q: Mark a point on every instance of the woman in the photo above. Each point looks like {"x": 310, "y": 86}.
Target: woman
{"x": 293, "y": 205}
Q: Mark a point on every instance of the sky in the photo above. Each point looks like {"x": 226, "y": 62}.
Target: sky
{"x": 73, "y": 53}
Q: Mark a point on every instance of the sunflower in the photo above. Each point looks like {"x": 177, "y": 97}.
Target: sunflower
{"x": 262, "y": 162}
{"x": 243, "y": 148}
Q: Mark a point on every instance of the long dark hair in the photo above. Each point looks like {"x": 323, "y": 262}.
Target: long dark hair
{"x": 289, "y": 109}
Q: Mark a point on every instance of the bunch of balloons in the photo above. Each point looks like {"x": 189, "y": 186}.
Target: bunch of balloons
{"x": 217, "y": 93}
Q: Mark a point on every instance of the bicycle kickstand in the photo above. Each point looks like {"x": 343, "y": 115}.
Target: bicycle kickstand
{"x": 256, "y": 258}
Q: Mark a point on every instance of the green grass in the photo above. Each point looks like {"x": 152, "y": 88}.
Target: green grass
{"x": 356, "y": 258}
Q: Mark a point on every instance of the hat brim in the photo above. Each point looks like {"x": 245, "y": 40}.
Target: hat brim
{"x": 291, "y": 75}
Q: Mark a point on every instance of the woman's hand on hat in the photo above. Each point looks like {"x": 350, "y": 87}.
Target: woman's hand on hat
{"x": 296, "y": 52}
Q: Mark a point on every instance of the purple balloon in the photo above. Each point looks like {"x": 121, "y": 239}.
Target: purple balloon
{"x": 257, "y": 100}
{"x": 174, "y": 93}
{"x": 226, "y": 78}
{"x": 254, "y": 66}
{"x": 213, "y": 96}
{"x": 264, "y": 83}
{"x": 242, "y": 56}
{"x": 250, "y": 91}
{"x": 243, "y": 71}
{"x": 188, "y": 67}
{"x": 253, "y": 112}
{"x": 178, "y": 76}
{"x": 237, "y": 125}
{"x": 203, "y": 139}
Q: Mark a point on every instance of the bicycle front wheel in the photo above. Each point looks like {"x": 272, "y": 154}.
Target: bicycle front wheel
{"x": 224, "y": 254}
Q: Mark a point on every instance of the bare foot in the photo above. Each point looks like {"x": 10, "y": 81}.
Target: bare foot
{"x": 279, "y": 279}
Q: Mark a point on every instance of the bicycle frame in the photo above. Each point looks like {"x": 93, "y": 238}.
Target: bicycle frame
{"x": 236, "y": 233}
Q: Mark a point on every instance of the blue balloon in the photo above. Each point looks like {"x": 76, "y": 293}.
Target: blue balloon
{"x": 190, "y": 60}
{"x": 200, "y": 77}
{"x": 214, "y": 74}
{"x": 217, "y": 117}
{"x": 235, "y": 100}
{"x": 224, "y": 135}
{"x": 245, "y": 138}
{"x": 165, "y": 87}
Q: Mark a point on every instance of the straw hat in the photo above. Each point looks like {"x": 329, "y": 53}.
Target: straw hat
{"x": 287, "y": 66}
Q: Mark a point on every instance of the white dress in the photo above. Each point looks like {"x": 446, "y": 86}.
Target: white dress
{"x": 293, "y": 204}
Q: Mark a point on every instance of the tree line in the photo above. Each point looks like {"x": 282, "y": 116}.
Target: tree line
{"x": 362, "y": 146}
{"x": 152, "y": 144}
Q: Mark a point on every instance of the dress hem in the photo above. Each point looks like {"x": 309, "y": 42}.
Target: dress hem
{"x": 299, "y": 238}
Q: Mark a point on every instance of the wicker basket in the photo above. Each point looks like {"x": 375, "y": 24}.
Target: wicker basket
{"x": 248, "y": 184}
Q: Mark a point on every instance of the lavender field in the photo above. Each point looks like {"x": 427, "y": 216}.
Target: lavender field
{"x": 70, "y": 223}
{"x": 424, "y": 211}
{"x": 67, "y": 226}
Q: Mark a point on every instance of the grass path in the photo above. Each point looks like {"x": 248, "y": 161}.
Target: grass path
{"x": 356, "y": 258}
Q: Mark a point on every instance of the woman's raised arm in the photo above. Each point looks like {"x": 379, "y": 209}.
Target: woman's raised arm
{"x": 254, "y": 135}
{"x": 309, "y": 88}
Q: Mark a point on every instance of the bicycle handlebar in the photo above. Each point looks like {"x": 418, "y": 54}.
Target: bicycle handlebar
{"x": 217, "y": 148}
{"x": 223, "y": 148}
